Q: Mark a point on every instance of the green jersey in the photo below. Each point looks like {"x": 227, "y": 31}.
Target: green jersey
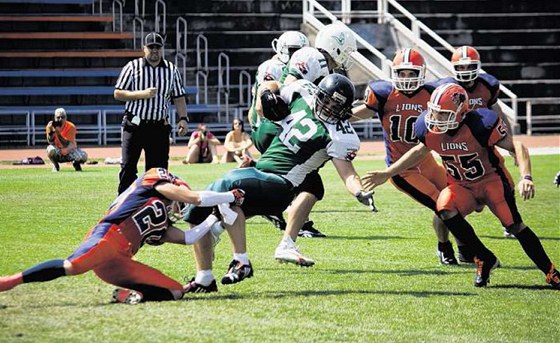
{"x": 305, "y": 143}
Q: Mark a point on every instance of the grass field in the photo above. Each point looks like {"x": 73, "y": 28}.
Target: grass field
{"x": 376, "y": 279}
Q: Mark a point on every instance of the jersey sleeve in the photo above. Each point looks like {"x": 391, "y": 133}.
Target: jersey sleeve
{"x": 420, "y": 128}
{"x": 376, "y": 94}
{"x": 493, "y": 87}
{"x": 308, "y": 64}
{"x": 155, "y": 176}
{"x": 344, "y": 144}
{"x": 124, "y": 81}
{"x": 486, "y": 126}
{"x": 178, "y": 89}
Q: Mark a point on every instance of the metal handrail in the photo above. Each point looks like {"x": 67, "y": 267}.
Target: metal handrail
{"x": 223, "y": 86}
{"x": 120, "y": 5}
{"x": 163, "y": 5}
{"x": 309, "y": 18}
{"x": 181, "y": 35}
{"x": 201, "y": 39}
{"x": 100, "y": 7}
{"x": 179, "y": 57}
{"x": 201, "y": 75}
{"x": 137, "y": 8}
{"x": 244, "y": 75}
{"x": 140, "y": 22}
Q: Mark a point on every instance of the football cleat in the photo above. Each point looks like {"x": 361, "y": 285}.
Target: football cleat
{"x": 509, "y": 235}
{"x": 553, "y": 277}
{"x": 292, "y": 254}
{"x": 237, "y": 272}
{"x": 126, "y": 296}
{"x": 194, "y": 287}
{"x": 483, "y": 269}
{"x": 446, "y": 254}
{"x": 77, "y": 166}
{"x": 277, "y": 220}
{"x": 309, "y": 231}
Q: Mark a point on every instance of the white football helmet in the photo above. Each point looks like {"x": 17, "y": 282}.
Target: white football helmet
{"x": 288, "y": 43}
{"x": 270, "y": 70}
{"x": 339, "y": 42}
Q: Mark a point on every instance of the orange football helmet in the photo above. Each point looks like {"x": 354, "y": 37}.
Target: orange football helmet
{"x": 446, "y": 108}
{"x": 469, "y": 57}
{"x": 408, "y": 59}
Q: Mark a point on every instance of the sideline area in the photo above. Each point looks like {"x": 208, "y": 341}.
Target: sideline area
{"x": 542, "y": 144}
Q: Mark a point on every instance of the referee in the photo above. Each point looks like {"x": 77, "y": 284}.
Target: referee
{"x": 148, "y": 85}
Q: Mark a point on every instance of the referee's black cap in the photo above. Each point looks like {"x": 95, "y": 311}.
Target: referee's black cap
{"x": 153, "y": 38}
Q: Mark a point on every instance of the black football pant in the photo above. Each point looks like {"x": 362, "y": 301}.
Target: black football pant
{"x": 150, "y": 136}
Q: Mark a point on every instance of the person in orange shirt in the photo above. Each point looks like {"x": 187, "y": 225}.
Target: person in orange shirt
{"x": 61, "y": 136}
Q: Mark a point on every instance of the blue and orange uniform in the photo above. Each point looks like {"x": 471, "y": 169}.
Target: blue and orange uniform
{"x": 476, "y": 175}
{"x": 398, "y": 112}
{"x": 475, "y": 169}
{"x": 137, "y": 216}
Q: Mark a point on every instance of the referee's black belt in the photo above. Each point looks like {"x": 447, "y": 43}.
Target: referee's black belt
{"x": 152, "y": 122}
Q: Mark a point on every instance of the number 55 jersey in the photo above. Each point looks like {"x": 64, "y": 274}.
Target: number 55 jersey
{"x": 305, "y": 143}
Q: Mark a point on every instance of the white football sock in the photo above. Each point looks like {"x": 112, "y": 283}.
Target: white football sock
{"x": 204, "y": 277}
{"x": 243, "y": 258}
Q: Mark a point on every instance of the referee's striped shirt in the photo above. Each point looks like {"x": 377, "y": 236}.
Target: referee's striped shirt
{"x": 138, "y": 74}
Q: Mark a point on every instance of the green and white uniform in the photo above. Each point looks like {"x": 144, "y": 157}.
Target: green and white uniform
{"x": 262, "y": 129}
{"x": 305, "y": 143}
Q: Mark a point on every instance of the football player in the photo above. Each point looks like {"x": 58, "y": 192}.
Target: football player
{"x": 483, "y": 90}
{"x": 466, "y": 142}
{"x": 142, "y": 214}
{"x": 398, "y": 105}
{"x": 314, "y": 132}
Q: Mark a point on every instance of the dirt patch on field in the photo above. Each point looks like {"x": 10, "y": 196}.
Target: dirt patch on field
{"x": 368, "y": 150}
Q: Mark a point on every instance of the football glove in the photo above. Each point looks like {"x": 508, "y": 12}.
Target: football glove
{"x": 366, "y": 198}
{"x": 239, "y": 196}
{"x": 274, "y": 107}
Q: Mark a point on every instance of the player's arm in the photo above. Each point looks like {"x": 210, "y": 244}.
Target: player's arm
{"x": 352, "y": 181}
{"x": 124, "y": 95}
{"x": 361, "y": 112}
{"x": 376, "y": 178}
{"x": 269, "y": 86}
{"x": 526, "y": 186}
{"x": 199, "y": 198}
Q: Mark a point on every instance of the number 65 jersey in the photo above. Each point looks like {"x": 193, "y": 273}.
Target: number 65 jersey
{"x": 305, "y": 143}
{"x": 469, "y": 153}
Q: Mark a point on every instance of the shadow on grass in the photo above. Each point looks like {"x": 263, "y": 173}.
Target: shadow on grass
{"x": 499, "y": 238}
{"x": 275, "y": 295}
{"x": 528, "y": 287}
{"x": 373, "y": 238}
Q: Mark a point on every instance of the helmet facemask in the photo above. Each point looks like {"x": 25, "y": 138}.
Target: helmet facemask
{"x": 408, "y": 83}
{"x": 440, "y": 121}
{"x": 175, "y": 211}
{"x": 331, "y": 109}
{"x": 469, "y": 74}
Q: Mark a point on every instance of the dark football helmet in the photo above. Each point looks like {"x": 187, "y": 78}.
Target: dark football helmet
{"x": 334, "y": 98}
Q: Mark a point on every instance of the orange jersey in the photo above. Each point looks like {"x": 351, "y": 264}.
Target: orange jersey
{"x": 482, "y": 94}
{"x": 397, "y": 112}
{"x": 469, "y": 153}
{"x": 68, "y": 131}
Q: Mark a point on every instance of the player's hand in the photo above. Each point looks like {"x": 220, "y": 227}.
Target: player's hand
{"x": 246, "y": 162}
{"x": 373, "y": 179}
{"x": 557, "y": 179}
{"x": 366, "y": 198}
{"x": 526, "y": 189}
{"x": 239, "y": 196}
{"x": 150, "y": 92}
{"x": 182, "y": 128}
